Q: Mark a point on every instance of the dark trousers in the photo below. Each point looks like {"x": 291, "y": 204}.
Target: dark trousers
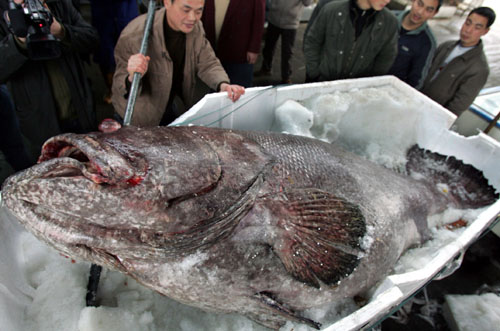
{"x": 287, "y": 41}
{"x": 239, "y": 73}
{"x": 11, "y": 141}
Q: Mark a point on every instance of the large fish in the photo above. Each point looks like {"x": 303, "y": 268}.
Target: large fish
{"x": 262, "y": 224}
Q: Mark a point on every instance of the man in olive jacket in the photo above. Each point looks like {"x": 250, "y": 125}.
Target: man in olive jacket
{"x": 459, "y": 69}
{"x": 178, "y": 52}
{"x": 52, "y": 95}
{"x": 350, "y": 39}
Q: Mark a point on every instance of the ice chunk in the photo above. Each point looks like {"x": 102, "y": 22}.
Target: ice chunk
{"x": 475, "y": 312}
{"x": 294, "y": 118}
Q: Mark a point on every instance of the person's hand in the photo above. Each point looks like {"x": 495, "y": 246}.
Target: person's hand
{"x": 109, "y": 125}
{"x": 17, "y": 22}
{"x": 252, "y": 57}
{"x": 137, "y": 63}
{"x": 55, "y": 28}
{"x": 233, "y": 91}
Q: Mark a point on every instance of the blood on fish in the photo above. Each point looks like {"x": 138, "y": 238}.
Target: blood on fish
{"x": 456, "y": 225}
{"x": 135, "y": 180}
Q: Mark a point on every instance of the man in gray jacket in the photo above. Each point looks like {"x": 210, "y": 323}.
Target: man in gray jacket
{"x": 350, "y": 39}
{"x": 283, "y": 18}
{"x": 459, "y": 69}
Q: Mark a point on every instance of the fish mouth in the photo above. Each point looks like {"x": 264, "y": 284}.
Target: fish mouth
{"x": 71, "y": 155}
{"x": 83, "y": 162}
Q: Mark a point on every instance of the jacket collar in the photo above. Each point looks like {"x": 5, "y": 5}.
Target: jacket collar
{"x": 474, "y": 52}
{"x": 355, "y": 11}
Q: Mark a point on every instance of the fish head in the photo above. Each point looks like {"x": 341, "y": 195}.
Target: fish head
{"x": 133, "y": 194}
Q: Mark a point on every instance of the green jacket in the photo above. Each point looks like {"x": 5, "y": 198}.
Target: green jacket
{"x": 458, "y": 84}
{"x": 332, "y": 52}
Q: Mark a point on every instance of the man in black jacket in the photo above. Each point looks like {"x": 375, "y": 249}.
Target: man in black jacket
{"x": 51, "y": 95}
{"x": 11, "y": 142}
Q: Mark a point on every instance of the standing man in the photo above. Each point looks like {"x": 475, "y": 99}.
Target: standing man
{"x": 234, "y": 29}
{"x": 350, "y": 39}
{"x": 459, "y": 69}
{"x": 110, "y": 18}
{"x": 416, "y": 44}
{"x": 283, "y": 18}
{"x": 178, "y": 52}
{"x": 51, "y": 95}
{"x": 11, "y": 141}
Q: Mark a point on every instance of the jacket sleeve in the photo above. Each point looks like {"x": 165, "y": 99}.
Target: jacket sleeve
{"x": 12, "y": 58}
{"x": 420, "y": 65}
{"x": 259, "y": 13}
{"x": 435, "y": 63}
{"x": 313, "y": 44}
{"x": 385, "y": 58}
{"x": 79, "y": 36}
{"x": 209, "y": 69}
{"x": 119, "y": 95}
{"x": 314, "y": 14}
{"x": 467, "y": 92}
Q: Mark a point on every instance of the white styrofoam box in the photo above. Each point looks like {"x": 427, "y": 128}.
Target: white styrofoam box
{"x": 255, "y": 111}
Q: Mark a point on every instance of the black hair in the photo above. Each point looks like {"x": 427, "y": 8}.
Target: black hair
{"x": 440, "y": 2}
{"x": 485, "y": 12}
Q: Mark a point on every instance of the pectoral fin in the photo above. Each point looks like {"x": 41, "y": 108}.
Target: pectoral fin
{"x": 269, "y": 300}
{"x": 320, "y": 235}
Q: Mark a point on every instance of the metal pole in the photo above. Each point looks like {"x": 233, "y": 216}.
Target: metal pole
{"x": 95, "y": 270}
{"x": 137, "y": 76}
{"x": 492, "y": 123}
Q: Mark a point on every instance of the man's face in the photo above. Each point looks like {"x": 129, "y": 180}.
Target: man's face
{"x": 473, "y": 29}
{"x": 422, "y": 10}
{"x": 182, "y": 15}
{"x": 378, "y": 4}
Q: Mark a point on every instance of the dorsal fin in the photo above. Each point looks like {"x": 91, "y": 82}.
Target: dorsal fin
{"x": 320, "y": 237}
{"x": 466, "y": 185}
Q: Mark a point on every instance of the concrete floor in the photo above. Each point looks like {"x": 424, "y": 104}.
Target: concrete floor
{"x": 482, "y": 261}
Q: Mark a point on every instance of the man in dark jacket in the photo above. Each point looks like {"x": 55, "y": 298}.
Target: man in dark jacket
{"x": 350, "y": 39}
{"x": 235, "y": 34}
{"x": 459, "y": 69}
{"x": 51, "y": 96}
{"x": 416, "y": 44}
{"x": 11, "y": 141}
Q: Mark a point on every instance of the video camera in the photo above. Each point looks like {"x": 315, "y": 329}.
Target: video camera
{"x": 32, "y": 20}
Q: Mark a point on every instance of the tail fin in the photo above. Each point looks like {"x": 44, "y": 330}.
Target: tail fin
{"x": 466, "y": 185}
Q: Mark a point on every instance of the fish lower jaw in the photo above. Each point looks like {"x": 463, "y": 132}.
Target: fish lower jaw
{"x": 98, "y": 256}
